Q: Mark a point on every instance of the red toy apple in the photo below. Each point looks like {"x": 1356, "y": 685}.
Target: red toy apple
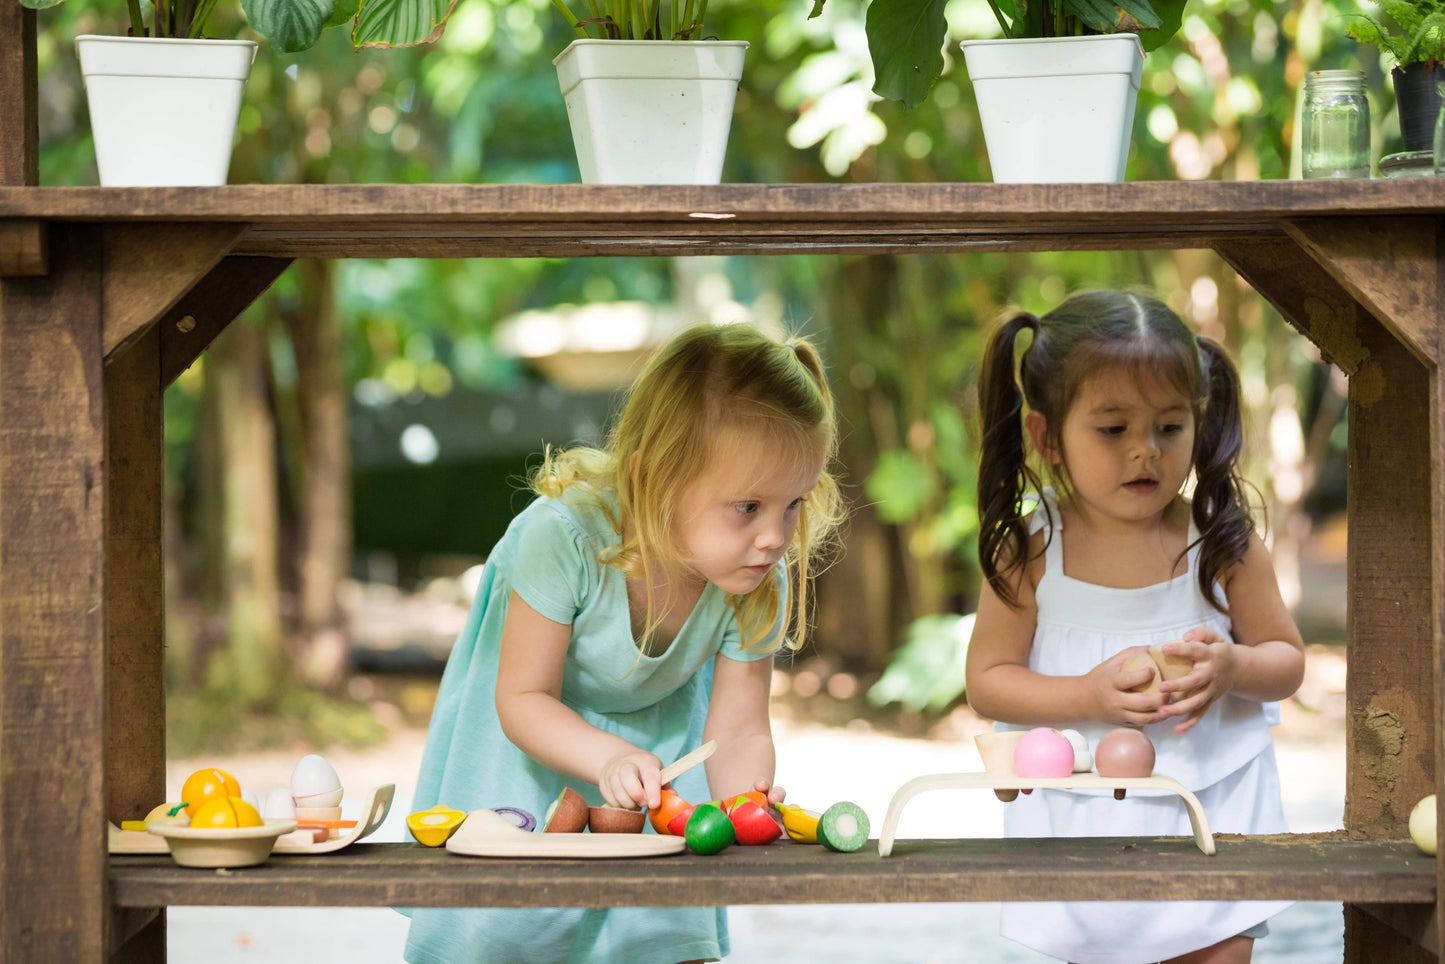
{"x": 677, "y": 826}
{"x": 752, "y": 824}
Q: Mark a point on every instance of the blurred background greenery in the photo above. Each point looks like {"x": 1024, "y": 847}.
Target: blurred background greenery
{"x": 349, "y": 449}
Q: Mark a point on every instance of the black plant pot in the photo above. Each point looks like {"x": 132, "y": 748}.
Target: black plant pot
{"x": 1418, "y": 99}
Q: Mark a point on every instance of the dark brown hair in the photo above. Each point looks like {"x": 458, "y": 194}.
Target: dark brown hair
{"x": 1091, "y": 332}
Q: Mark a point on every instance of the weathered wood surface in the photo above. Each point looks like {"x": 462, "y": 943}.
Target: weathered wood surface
{"x": 19, "y": 107}
{"x": 1319, "y": 867}
{"x": 53, "y": 886}
{"x": 466, "y": 220}
{"x": 204, "y": 312}
{"x": 24, "y": 247}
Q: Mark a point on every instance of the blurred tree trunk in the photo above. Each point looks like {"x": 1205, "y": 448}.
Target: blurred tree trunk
{"x": 237, "y": 379}
{"x": 323, "y": 460}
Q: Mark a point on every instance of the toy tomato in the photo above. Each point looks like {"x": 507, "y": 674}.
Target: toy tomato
{"x": 752, "y": 824}
{"x": 671, "y": 806}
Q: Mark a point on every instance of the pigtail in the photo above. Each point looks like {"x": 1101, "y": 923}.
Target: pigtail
{"x": 1221, "y": 507}
{"x": 1003, "y": 540}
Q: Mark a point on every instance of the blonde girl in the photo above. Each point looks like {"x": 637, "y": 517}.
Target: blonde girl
{"x": 629, "y": 615}
{"x": 1119, "y": 406}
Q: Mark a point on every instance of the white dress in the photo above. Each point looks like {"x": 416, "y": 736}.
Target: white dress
{"x": 1227, "y": 760}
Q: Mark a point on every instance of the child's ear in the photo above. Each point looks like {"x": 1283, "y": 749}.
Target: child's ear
{"x": 1038, "y": 430}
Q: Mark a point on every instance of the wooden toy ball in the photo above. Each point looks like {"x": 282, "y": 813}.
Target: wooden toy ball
{"x": 1422, "y": 825}
{"x": 1043, "y": 753}
{"x": 1124, "y": 753}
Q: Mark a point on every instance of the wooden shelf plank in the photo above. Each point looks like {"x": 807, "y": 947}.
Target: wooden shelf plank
{"x": 523, "y": 220}
{"x": 1288, "y": 866}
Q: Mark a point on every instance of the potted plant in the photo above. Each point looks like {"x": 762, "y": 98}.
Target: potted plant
{"x": 649, "y": 100}
{"x": 1413, "y": 33}
{"x": 1056, "y": 95}
{"x": 164, "y": 98}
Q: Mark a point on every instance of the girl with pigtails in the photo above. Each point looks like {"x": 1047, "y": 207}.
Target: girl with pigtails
{"x": 1097, "y": 417}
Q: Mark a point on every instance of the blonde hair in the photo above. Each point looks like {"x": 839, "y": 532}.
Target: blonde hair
{"x": 707, "y": 382}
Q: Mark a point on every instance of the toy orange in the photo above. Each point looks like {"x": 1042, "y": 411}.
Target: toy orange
{"x": 671, "y": 806}
{"x": 220, "y": 813}
{"x": 206, "y": 783}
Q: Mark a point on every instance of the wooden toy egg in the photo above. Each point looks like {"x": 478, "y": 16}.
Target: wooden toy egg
{"x": 314, "y": 783}
{"x": 1042, "y": 753}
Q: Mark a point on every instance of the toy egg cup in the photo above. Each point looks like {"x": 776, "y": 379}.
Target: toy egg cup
{"x": 219, "y": 847}
{"x": 997, "y": 752}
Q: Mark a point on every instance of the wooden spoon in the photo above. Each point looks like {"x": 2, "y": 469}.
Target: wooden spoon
{"x": 676, "y": 769}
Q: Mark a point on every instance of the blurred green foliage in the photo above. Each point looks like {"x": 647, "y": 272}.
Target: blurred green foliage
{"x": 902, "y": 334}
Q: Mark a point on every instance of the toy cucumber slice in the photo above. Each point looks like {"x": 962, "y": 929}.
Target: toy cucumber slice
{"x": 843, "y": 827}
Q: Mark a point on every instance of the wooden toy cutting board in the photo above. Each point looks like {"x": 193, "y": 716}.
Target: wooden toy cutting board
{"x": 486, "y": 833}
{"x": 373, "y": 813}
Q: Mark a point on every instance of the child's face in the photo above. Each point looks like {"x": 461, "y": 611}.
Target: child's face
{"x": 1128, "y": 448}
{"x": 738, "y": 517}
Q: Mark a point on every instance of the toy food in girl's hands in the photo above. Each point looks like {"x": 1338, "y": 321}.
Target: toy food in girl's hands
{"x": 1165, "y": 666}
{"x": 1043, "y": 753}
{"x": 206, "y": 783}
{"x": 670, "y": 807}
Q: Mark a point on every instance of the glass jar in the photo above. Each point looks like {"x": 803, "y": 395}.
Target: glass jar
{"x": 1336, "y": 125}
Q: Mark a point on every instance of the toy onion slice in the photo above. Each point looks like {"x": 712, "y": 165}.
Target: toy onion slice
{"x": 843, "y": 827}
{"x": 523, "y": 819}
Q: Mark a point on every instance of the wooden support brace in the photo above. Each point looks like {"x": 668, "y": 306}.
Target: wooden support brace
{"x": 24, "y": 248}
{"x": 205, "y": 311}
{"x": 149, "y": 267}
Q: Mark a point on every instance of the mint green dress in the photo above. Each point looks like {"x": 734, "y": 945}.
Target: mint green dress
{"x": 549, "y": 556}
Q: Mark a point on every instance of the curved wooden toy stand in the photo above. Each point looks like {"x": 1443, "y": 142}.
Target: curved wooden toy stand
{"x": 1079, "y": 781}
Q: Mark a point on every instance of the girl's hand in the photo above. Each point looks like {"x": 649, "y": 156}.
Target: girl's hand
{"x": 1109, "y": 686}
{"x": 774, "y": 794}
{"x": 632, "y": 780}
{"x": 1216, "y": 667}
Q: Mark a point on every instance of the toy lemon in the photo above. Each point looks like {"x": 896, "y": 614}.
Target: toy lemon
{"x": 433, "y": 827}
{"x": 223, "y": 813}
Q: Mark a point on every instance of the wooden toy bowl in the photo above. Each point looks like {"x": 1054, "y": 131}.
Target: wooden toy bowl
{"x": 220, "y": 847}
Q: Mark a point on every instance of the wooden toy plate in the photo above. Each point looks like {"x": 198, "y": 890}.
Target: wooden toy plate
{"x": 486, "y": 833}
{"x": 377, "y": 805}
{"x": 1007, "y": 781}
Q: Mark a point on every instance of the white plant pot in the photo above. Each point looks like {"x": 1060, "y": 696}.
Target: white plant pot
{"x": 163, "y": 111}
{"x": 1056, "y": 109}
{"x": 650, "y": 111}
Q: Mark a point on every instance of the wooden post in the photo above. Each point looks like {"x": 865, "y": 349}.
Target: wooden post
{"x": 135, "y": 750}
{"x": 19, "y": 110}
{"x": 54, "y": 894}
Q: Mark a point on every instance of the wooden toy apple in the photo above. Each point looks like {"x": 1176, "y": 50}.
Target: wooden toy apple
{"x": 709, "y": 830}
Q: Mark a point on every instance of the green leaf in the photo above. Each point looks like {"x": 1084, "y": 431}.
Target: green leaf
{"x": 343, "y": 11}
{"x": 905, "y": 39}
{"x": 1114, "y": 16}
{"x": 1171, "y": 15}
{"x": 900, "y": 486}
{"x": 400, "y": 23}
{"x": 289, "y": 25}
{"x": 46, "y": 4}
{"x": 927, "y": 672}
{"x": 815, "y": 12}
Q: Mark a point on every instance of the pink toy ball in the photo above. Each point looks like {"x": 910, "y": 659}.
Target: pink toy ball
{"x": 1042, "y": 753}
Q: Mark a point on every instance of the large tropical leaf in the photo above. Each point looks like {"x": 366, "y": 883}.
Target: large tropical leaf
{"x": 400, "y": 23}
{"x": 290, "y": 25}
{"x": 905, "y": 39}
{"x": 1171, "y": 15}
{"x": 1115, "y": 16}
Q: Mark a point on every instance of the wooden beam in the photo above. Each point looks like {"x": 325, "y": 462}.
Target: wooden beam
{"x": 1306, "y": 295}
{"x": 24, "y": 247}
{"x": 1437, "y": 584}
{"x": 1388, "y": 265}
{"x": 204, "y": 312}
{"x": 53, "y": 863}
{"x": 150, "y": 266}
{"x": 19, "y": 108}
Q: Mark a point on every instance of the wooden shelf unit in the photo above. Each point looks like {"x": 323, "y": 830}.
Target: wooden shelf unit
{"x": 106, "y": 295}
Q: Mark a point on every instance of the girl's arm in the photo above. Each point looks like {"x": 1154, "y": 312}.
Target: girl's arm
{"x": 1266, "y": 661}
{"x": 1001, "y": 686}
{"x": 529, "y": 705}
{"x": 737, "y": 717}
